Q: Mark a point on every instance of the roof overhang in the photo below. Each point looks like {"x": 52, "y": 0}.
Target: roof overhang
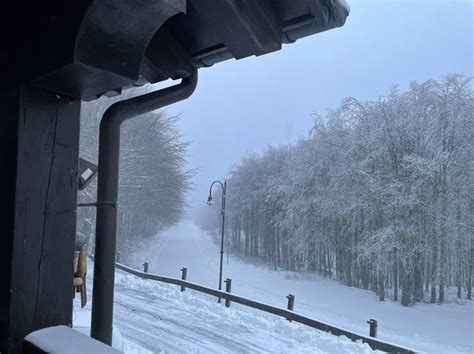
{"x": 89, "y": 48}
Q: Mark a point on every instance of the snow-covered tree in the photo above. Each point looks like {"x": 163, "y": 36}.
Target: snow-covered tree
{"x": 381, "y": 194}
{"x": 153, "y": 180}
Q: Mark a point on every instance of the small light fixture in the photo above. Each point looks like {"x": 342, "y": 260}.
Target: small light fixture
{"x": 87, "y": 172}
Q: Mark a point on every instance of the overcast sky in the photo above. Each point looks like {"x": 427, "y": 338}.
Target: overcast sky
{"x": 242, "y": 106}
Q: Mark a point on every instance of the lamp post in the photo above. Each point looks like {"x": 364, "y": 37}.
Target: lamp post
{"x": 209, "y": 199}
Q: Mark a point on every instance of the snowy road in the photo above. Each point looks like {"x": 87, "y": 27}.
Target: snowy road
{"x": 158, "y": 318}
{"x": 447, "y": 328}
{"x": 154, "y": 317}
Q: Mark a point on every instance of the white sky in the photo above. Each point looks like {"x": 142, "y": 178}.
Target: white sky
{"x": 242, "y": 106}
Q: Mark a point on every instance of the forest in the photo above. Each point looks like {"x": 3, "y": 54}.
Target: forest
{"x": 380, "y": 195}
{"x": 153, "y": 176}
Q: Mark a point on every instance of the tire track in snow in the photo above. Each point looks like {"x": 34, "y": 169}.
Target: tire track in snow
{"x": 159, "y": 317}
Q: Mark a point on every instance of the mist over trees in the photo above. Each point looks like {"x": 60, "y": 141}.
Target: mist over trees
{"x": 153, "y": 180}
{"x": 379, "y": 196}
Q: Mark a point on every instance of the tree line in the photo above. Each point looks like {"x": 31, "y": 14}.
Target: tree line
{"x": 153, "y": 179}
{"x": 380, "y": 195}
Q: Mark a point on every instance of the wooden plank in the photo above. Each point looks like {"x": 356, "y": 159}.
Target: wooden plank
{"x": 9, "y": 108}
{"x": 44, "y": 213}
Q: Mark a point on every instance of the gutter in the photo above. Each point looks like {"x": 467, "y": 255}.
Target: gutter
{"x": 107, "y": 194}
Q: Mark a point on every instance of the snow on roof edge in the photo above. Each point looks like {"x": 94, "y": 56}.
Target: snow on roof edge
{"x": 345, "y": 5}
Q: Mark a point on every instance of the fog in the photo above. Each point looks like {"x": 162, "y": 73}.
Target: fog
{"x": 241, "y": 106}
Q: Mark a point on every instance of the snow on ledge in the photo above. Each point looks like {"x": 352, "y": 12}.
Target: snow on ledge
{"x": 65, "y": 340}
{"x": 345, "y": 5}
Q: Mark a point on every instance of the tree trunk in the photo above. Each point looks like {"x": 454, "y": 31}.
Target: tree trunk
{"x": 381, "y": 287}
{"x": 434, "y": 270}
{"x": 433, "y": 293}
{"x": 418, "y": 281}
{"x": 395, "y": 274}
{"x": 405, "y": 292}
{"x": 441, "y": 294}
{"x": 406, "y": 287}
{"x": 348, "y": 268}
{"x": 469, "y": 278}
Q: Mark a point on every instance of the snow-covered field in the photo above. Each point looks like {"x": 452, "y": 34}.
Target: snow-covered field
{"x": 446, "y": 328}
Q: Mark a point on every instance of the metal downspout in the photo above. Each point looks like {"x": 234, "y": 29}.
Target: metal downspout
{"x": 107, "y": 193}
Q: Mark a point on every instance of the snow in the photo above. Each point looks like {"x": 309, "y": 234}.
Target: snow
{"x": 345, "y": 5}
{"x": 425, "y": 327}
{"x": 82, "y": 324}
{"x": 62, "y": 339}
{"x": 155, "y": 316}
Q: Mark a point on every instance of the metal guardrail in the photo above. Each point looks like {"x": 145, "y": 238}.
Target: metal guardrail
{"x": 372, "y": 342}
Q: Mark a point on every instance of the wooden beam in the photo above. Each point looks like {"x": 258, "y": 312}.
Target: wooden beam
{"x": 245, "y": 27}
{"x": 40, "y": 222}
{"x": 9, "y": 109}
{"x": 165, "y": 58}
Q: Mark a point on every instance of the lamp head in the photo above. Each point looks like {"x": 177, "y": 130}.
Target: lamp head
{"x": 209, "y": 199}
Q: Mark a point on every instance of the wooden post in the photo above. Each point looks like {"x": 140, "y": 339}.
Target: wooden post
{"x": 373, "y": 327}
{"x": 228, "y": 288}
{"x": 184, "y": 273}
{"x": 291, "y": 302}
{"x": 145, "y": 267}
{"x": 39, "y": 148}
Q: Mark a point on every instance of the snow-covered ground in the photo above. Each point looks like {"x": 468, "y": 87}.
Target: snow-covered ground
{"x": 158, "y": 318}
{"x": 446, "y": 328}
{"x": 153, "y": 318}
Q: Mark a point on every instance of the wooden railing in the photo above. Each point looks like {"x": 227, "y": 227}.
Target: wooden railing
{"x": 372, "y": 342}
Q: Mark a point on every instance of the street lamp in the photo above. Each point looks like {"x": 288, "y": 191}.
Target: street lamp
{"x": 209, "y": 199}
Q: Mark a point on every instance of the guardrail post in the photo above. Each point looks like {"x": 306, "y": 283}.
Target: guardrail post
{"x": 373, "y": 327}
{"x": 184, "y": 273}
{"x": 291, "y": 303}
{"x": 228, "y": 288}
{"x": 117, "y": 259}
{"x": 145, "y": 267}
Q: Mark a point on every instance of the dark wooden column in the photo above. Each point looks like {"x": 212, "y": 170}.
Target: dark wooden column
{"x": 39, "y": 138}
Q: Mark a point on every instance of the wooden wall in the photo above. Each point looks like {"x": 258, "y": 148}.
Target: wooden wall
{"x": 39, "y": 141}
